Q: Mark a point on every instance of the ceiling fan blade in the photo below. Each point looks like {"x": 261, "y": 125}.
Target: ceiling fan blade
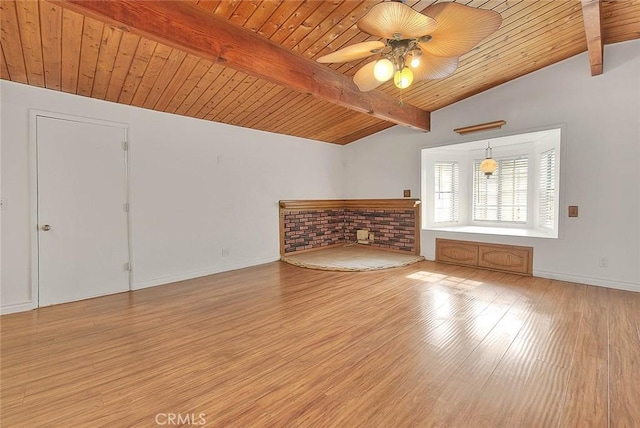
{"x": 460, "y": 28}
{"x": 434, "y": 67}
{"x": 364, "y": 78}
{"x": 353, "y": 52}
{"x": 392, "y": 18}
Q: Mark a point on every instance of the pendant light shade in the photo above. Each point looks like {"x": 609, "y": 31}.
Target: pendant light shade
{"x": 489, "y": 165}
{"x": 403, "y": 78}
{"x": 383, "y": 70}
{"x": 415, "y": 55}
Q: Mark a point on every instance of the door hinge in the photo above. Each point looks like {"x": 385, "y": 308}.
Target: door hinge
{"x": 125, "y": 146}
{"x": 126, "y": 207}
{"x": 127, "y": 267}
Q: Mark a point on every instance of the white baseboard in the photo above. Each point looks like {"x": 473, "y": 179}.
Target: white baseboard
{"x": 138, "y": 285}
{"x": 600, "y": 282}
{"x": 16, "y": 307}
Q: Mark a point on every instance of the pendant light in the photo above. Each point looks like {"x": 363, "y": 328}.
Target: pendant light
{"x": 488, "y": 165}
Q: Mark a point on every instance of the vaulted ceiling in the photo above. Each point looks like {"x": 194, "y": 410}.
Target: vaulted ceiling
{"x": 192, "y": 58}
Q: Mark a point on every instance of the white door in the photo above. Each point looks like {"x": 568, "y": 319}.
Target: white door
{"x": 83, "y": 248}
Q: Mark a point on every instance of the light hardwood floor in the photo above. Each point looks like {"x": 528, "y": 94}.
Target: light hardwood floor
{"x": 277, "y": 345}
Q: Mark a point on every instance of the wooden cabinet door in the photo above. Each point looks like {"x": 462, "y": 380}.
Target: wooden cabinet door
{"x": 456, "y": 252}
{"x": 505, "y": 258}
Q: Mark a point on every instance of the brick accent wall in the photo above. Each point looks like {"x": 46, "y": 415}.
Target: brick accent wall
{"x": 304, "y": 230}
{"x": 394, "y": 229}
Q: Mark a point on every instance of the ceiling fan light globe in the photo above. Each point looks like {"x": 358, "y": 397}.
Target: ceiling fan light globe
{"x": 383, "y": 70}
{"x": 403, "y": 78}
{"x": 415, "y": 55}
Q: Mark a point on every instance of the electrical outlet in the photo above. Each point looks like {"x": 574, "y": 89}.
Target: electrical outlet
{"x": 3, "y": 204}
{"x": 225, "y": 252}
{"x": 603, "y": 262}
{"x": 407, "y": 193}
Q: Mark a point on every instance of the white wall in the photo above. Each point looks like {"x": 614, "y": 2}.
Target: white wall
{"x": 196, "y": 187}
{"x": 601, "y": 168}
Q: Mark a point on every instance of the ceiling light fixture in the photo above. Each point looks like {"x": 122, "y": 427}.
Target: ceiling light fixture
{"x": 488, "y": 165}
{"x": 398, "y": 59}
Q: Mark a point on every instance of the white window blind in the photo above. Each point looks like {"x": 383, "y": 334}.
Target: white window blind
{"x": 446, "y": 194}
{"x": 547, "y": 203}
{"x": 502, "y": 197}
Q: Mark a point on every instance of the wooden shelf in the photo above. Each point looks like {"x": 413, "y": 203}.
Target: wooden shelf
{"x": 323, "y": 204}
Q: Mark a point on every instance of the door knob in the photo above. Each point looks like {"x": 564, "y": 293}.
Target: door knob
{"x": 46, "y": 227}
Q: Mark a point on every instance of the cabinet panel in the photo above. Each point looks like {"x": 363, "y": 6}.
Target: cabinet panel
{"x": 505, "y": 258}
{"x": 456, "y": 252}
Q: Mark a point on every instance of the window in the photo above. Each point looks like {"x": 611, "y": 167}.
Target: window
{"x": 446, "y": 192}
{"x": 547, "y": 185}
{"x": 501, "y": 197}
{"x": 522, "y": 198}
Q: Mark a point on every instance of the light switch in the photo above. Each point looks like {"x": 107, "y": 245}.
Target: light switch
{"x": 573, "y": 211}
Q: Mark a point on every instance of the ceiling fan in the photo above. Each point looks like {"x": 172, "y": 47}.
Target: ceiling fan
{"x": 417, "y": 46}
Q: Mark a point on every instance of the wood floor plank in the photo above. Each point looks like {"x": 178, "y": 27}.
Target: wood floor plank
{"x": 501, "y": 393}
{"x": 624, "y": 389}
{"x": 541, "y": 397}
{"x": 278, "y": 345}
{"x": 587, "y": 393}
{"x": 624, "y": 358}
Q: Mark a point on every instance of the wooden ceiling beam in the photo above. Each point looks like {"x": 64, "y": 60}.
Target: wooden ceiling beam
{"x": 187, "y": 27}
{"x": 592, "y": 15}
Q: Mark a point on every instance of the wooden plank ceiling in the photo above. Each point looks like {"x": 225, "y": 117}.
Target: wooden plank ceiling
{"x": 47, "y": 45}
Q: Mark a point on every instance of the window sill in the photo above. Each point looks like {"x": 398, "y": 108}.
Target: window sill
{"x": 503, "y": 231}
